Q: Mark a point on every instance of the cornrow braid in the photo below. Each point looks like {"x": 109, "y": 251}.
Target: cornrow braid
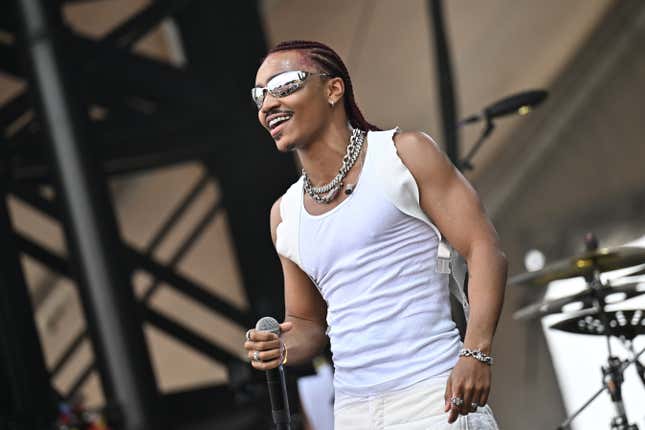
{"x": 330, "y": 62}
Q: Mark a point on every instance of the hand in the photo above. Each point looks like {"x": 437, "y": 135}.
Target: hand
{"x": 269, "y": 346}
{"x": 470, "y": 381}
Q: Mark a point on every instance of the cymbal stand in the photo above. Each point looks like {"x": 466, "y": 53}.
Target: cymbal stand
{"x": 640, "y": 367}
{"x": 612, "y": 373}
{"x": 620, "y": 369}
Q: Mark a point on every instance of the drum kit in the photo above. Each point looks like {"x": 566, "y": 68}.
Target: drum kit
{"x": 590, "y": 314}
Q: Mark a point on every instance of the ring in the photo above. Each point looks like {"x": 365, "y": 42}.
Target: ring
{"x": 256, "y": 356}
{"x": 474, "y": 406}
{"x": 248, "y": 334}
{"x": 457, "y": 401}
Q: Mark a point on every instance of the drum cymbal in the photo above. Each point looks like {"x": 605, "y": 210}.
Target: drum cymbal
{"x": 627, "y": 323}
{"x": 603, "y": 259}
{"x": 582, "y": 300}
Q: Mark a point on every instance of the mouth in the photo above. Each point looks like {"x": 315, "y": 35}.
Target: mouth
{"x": 277, "y": 123}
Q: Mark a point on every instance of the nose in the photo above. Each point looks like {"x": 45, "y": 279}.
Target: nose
{"x": 269, "y": 102}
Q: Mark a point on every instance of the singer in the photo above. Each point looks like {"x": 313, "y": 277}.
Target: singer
{"x": 358, "y": 237}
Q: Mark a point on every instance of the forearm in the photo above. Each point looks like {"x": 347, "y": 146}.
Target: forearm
{"x": 487, "y": 269}
{"x": 304, "y": 341}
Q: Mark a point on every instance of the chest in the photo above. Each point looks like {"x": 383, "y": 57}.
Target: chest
{"x": 365, "y": 230}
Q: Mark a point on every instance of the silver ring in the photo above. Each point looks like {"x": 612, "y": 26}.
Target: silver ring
{"x": 457, "y": 401}
{"x": 256, "y": 356}
{"x": 247, "y": 335}
{"x": 474, "y": 406}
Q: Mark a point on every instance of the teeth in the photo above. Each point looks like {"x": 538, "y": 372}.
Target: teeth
{"x": 277, "y": 120}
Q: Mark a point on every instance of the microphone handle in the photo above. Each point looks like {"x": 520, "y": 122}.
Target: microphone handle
{"x": 278, "y": 397}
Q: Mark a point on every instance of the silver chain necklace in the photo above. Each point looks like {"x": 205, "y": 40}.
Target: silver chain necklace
{"x": 326, "y": 193}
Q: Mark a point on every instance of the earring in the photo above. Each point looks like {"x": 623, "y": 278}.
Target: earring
{"x": 331, "y": 103}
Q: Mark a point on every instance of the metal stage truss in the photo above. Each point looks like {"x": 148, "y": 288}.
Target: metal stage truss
{"x": 150, "y": 114}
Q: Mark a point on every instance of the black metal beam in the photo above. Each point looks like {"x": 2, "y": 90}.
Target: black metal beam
{"x": 8, "y": 21}
{"x": 26, "y": 398}
{"x": 443, "y": 66}
{"x": 44, "y": 256}
{"x": 13, "y": 109}
{"x": 137, "y": 259}
{"x": 143, "y": 260}
{"x": 92, "y": 236}
{"x": 188, "y": 337}
{"x": 250, "y": 171}
{"x": 134, "y": 28}
{"x": 186, "y": 245}
{"x": 9, "y": 60}
{"x": 80, "y": 380}
{"x": 196, "y": 409}
{"x": 176, "y": 214}
{"x": 190, "y": 288}
{"x": 68, "y": 353}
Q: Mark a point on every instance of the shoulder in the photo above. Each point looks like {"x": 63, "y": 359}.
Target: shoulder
{"x": 422, "y": 155}
{"x": 415, "y": 142}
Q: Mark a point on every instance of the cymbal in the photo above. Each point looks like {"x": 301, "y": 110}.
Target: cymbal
{"x": 627, "y": 323}
{"x": 603, "y": 259}
{"x": 585, "y": 299}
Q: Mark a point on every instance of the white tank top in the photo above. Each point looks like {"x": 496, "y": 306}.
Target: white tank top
{"x": 373, "y": 258}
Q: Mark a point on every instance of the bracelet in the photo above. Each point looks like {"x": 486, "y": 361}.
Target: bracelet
{"x": 477, "y": 355}
{"x": 286, "y": 352}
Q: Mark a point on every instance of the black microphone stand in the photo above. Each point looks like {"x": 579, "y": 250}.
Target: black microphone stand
{"x": 466, "y": 164}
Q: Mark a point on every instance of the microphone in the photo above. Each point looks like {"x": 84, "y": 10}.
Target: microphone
{"x": 275, "y": 382}
{"x": 521, "y": 103}
{"x": 515, "y": 103}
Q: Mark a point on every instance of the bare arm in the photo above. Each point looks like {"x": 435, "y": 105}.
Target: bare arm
{"x": 453, "y": 205}
{"x": 303, "y": 331}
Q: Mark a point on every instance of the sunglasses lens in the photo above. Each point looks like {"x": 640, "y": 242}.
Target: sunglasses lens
{"x": 286, "y": 83}
{"x": 257, "y": 95}
{"x": 280, "y": 86}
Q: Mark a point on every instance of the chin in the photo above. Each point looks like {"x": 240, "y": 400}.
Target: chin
{"x": 285, "y": 143}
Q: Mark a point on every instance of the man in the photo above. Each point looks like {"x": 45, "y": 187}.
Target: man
{"x": 358, "y": 238}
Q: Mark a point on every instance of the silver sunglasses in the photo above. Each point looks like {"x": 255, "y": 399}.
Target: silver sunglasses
{"x": 282, "y": 85}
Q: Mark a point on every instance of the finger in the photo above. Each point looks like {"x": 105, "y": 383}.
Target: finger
{"x": 483, "y": 398}
{"x": 446, "y": 395}
{"x": 265, "y": 355}
{"x": 468, "y": 399}
{"x": 454, "y": 413}
{"x": 474, "y": 402}
{"x": 260, "y": 336}
{"x": 266, "y": 365}
{"x": 263, "y": 346}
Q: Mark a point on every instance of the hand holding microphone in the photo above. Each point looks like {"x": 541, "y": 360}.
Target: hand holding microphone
{"x": 264, "y": 347}
{"x": 268, "y": 353}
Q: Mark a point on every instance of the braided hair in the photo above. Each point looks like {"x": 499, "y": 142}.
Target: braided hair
{"x": 330, "y": 62}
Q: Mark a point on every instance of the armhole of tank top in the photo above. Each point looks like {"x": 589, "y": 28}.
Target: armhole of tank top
{"x": 411, "y": 184}
{"x": 288, "y": 230}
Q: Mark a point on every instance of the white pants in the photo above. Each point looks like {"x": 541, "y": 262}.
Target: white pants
{"x": 419, "y": 407}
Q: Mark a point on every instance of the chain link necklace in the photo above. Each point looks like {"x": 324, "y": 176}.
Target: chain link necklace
{"x": 326, "y": 193}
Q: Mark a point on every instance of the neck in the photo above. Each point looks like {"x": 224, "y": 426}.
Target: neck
{"x": 323, "y": 156}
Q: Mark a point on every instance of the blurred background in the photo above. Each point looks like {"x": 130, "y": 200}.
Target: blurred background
{"x": 137, "y": 183}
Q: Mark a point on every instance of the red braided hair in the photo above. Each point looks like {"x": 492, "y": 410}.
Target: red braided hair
{"x": 330, "y": 62}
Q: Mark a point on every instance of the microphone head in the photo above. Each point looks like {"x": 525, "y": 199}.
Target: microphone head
{"x": 511, "y": 104}
{"x": 268, "y": 324}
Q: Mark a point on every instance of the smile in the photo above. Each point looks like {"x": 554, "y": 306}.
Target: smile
{"x": 276, "y": 124}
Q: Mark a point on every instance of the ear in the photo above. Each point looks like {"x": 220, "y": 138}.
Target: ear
{"x": 335, "y": 89}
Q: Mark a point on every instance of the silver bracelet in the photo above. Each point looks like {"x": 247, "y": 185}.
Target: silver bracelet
{"x": 477, "y": 355}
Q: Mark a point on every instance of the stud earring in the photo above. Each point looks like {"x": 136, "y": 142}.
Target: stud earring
{"x": 331, "y": 103}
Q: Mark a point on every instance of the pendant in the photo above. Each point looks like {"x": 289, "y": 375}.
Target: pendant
{"x": 331, "y": 195}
